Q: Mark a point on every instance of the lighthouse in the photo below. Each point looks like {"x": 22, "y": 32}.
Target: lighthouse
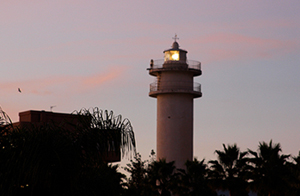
{"x": 175, "y": 91}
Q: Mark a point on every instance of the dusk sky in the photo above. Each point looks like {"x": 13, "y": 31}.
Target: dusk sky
{"x": 81, "y": 54}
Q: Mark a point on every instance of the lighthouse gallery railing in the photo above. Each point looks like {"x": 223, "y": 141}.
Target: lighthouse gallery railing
{"x": 191, "y": 64}
{"x": 174, "y": 86}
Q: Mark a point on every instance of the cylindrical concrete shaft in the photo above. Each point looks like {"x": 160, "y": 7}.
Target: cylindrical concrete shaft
{"x": 175, "y": 128}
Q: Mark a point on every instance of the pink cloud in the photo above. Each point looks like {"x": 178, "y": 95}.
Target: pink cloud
{"x": 57, "y": 84}
{"x": 38, "y": 92}
{"x": 232, "y": 39}
{"x": 274, "y": 24}
{"x": 224, "y": 46}
{"x": 74, "y": 51}
{"x": 100, "y": 78}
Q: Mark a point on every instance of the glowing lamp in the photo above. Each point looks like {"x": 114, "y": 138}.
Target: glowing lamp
{"x": 175, "y": 54}
{"x": 172, "y": 55}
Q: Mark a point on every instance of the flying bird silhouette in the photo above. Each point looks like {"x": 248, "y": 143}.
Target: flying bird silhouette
{"x": 19, "y": 90}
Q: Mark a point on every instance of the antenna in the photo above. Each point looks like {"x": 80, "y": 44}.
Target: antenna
{"x": 51, "y": 107}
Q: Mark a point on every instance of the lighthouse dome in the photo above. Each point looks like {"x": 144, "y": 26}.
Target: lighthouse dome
{"x": 175, "y": 45}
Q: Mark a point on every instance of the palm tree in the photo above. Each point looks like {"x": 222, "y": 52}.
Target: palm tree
{"x": 269, "y": 172}
{"x": 104, "y": 132}
{"x": 194, "y": 180}
{"x": 136, "y": 184}
{"x": 54, "y": 159}
{"x": 294, "y": 178}
{"x": 5, "y": 121}
{"x": 104, "y": 180}
{"x": 37, "y": 160}
{"x": 229, "y": 171}
{"x": 161, "y": 176}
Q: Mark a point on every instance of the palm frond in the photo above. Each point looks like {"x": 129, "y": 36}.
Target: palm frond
{"x": 113, "y": 131}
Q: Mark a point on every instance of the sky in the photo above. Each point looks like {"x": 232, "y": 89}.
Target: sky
{"x": 91, "y": 53}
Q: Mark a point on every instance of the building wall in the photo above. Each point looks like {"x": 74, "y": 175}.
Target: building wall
{"x": 32, "y": 117}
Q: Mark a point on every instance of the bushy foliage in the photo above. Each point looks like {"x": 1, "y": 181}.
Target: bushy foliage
{"x": 153, "y": 178}
{"x": 52, "y": 160}
{"x": 229, "y": 171}
{"x": 266, "y": 172}
{"x": 56, "y": 159}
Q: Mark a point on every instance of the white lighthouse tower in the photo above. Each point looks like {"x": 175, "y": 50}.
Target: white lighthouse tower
{"x": 175, "y": 91}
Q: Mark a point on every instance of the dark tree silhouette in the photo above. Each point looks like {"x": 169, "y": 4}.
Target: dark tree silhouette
{"x": 105, "y": 132}
{"x": 162, "y": 177}
{"x": 194, "y": 179}
{"x": 69, "y": 159}
{"x": 54, "y": 159}
{"x": 151, "y": 178}
{"x": 136, "y": 184}
{"x": 294, "y": 177}
{"x": 229, "y": 171}
{"x": 270, "y": 172}
{"x": 5, "y": 121}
